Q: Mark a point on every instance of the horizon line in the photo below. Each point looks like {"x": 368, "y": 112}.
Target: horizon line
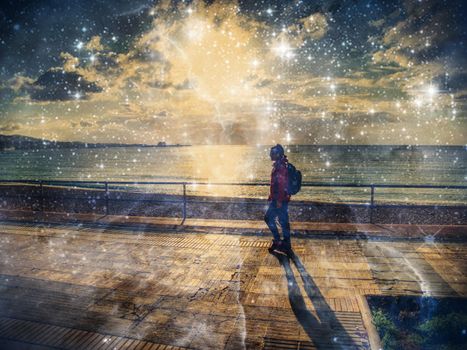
{"x": 246, "y": 144}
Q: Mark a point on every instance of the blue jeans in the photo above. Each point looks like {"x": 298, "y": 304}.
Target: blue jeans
{"x": 282, "y": 214}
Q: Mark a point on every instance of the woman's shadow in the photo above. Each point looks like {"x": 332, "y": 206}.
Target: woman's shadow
{"x": 324, "y": 329}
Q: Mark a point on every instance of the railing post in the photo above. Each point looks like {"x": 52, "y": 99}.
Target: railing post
{"x": 106, "y": 198}
{"x": 372, "y": 203}
{"x": 41, "y": 198}
{"x": 184, "y": 201}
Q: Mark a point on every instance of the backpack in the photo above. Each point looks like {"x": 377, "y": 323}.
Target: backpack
{"x": 295, "y": 179}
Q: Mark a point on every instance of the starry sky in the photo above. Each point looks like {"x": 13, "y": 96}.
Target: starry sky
{"x": 235, "y": 72}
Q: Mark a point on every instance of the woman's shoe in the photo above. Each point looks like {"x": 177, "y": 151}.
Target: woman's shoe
{"x": 275, "y": 244}
{"x": 286, "y": 246}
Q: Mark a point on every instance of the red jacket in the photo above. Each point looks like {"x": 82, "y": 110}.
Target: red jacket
{"x": 279, "y": 181}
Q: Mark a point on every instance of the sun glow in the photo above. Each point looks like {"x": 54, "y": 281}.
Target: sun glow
{"x": 195, "y": 29}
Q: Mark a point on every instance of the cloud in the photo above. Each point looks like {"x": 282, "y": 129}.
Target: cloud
{"x": 375, "y": 117}
{"x": 70, "y": 63}
{"x": 16, "y": 86}
{"x": 312, "y": 27}
{"x": 185, "y": 85}
{"x": 264, "y": 83}
{"x": 61, "y": 85}
{"x": 6, "y": 93}
{"x": 213, "y": 72}
{"x": 160, "y": 84}
{"x": 94, "y": 44}
{"x": 392, "y": 56}
{"x": 85, "y": 124}
{"x": 9, "y": 127}
{"x": 419, "y": 34}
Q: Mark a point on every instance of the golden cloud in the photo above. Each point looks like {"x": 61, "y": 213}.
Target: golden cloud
{"x": 210, "y": 73}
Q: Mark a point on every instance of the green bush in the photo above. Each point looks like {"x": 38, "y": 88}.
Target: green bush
{"x": 445, "y": 329}
{"x": 444, "y": 332}
{"x": 392, "y": 338}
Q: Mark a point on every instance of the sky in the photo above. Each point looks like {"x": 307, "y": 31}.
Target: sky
{"x": 235, "y": 72}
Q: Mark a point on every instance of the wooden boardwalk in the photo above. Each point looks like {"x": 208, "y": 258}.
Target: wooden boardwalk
{"x": 71, "y": 287}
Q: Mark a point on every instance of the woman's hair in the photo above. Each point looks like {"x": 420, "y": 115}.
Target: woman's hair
{"x": 278, "y": 148}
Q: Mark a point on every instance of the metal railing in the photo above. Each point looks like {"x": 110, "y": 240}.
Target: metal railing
{"x": 184, "y": 185}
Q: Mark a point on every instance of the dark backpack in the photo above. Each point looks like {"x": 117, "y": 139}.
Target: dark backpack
{"x": 295, "y": 179}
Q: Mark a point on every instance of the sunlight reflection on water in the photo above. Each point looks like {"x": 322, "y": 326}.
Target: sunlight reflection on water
{"x": 241, "y": 163}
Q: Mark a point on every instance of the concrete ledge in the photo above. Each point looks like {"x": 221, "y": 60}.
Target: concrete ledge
{"x": 373, "y": 336}
{"x": 118, "y": 202}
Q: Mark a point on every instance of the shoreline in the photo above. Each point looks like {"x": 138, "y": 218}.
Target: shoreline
{"x": 91, "y": 200}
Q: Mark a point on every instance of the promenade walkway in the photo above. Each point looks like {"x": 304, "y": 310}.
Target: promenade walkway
{"x": 304, "y": 229}
{"x": 87, "y": 282}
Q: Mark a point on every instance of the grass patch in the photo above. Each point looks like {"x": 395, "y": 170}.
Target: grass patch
{"x": 413, "y": 323}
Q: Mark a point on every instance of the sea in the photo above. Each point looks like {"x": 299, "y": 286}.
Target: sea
{"x": 204, "y": 167}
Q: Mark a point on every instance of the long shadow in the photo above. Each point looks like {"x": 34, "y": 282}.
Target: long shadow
{"x": 324, "y": 329}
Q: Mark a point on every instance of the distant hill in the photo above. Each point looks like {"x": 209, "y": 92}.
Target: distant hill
{"x": 26, "y": 142}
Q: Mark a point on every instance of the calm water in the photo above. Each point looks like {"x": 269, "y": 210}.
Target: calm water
{"x": 337, "y": 164}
